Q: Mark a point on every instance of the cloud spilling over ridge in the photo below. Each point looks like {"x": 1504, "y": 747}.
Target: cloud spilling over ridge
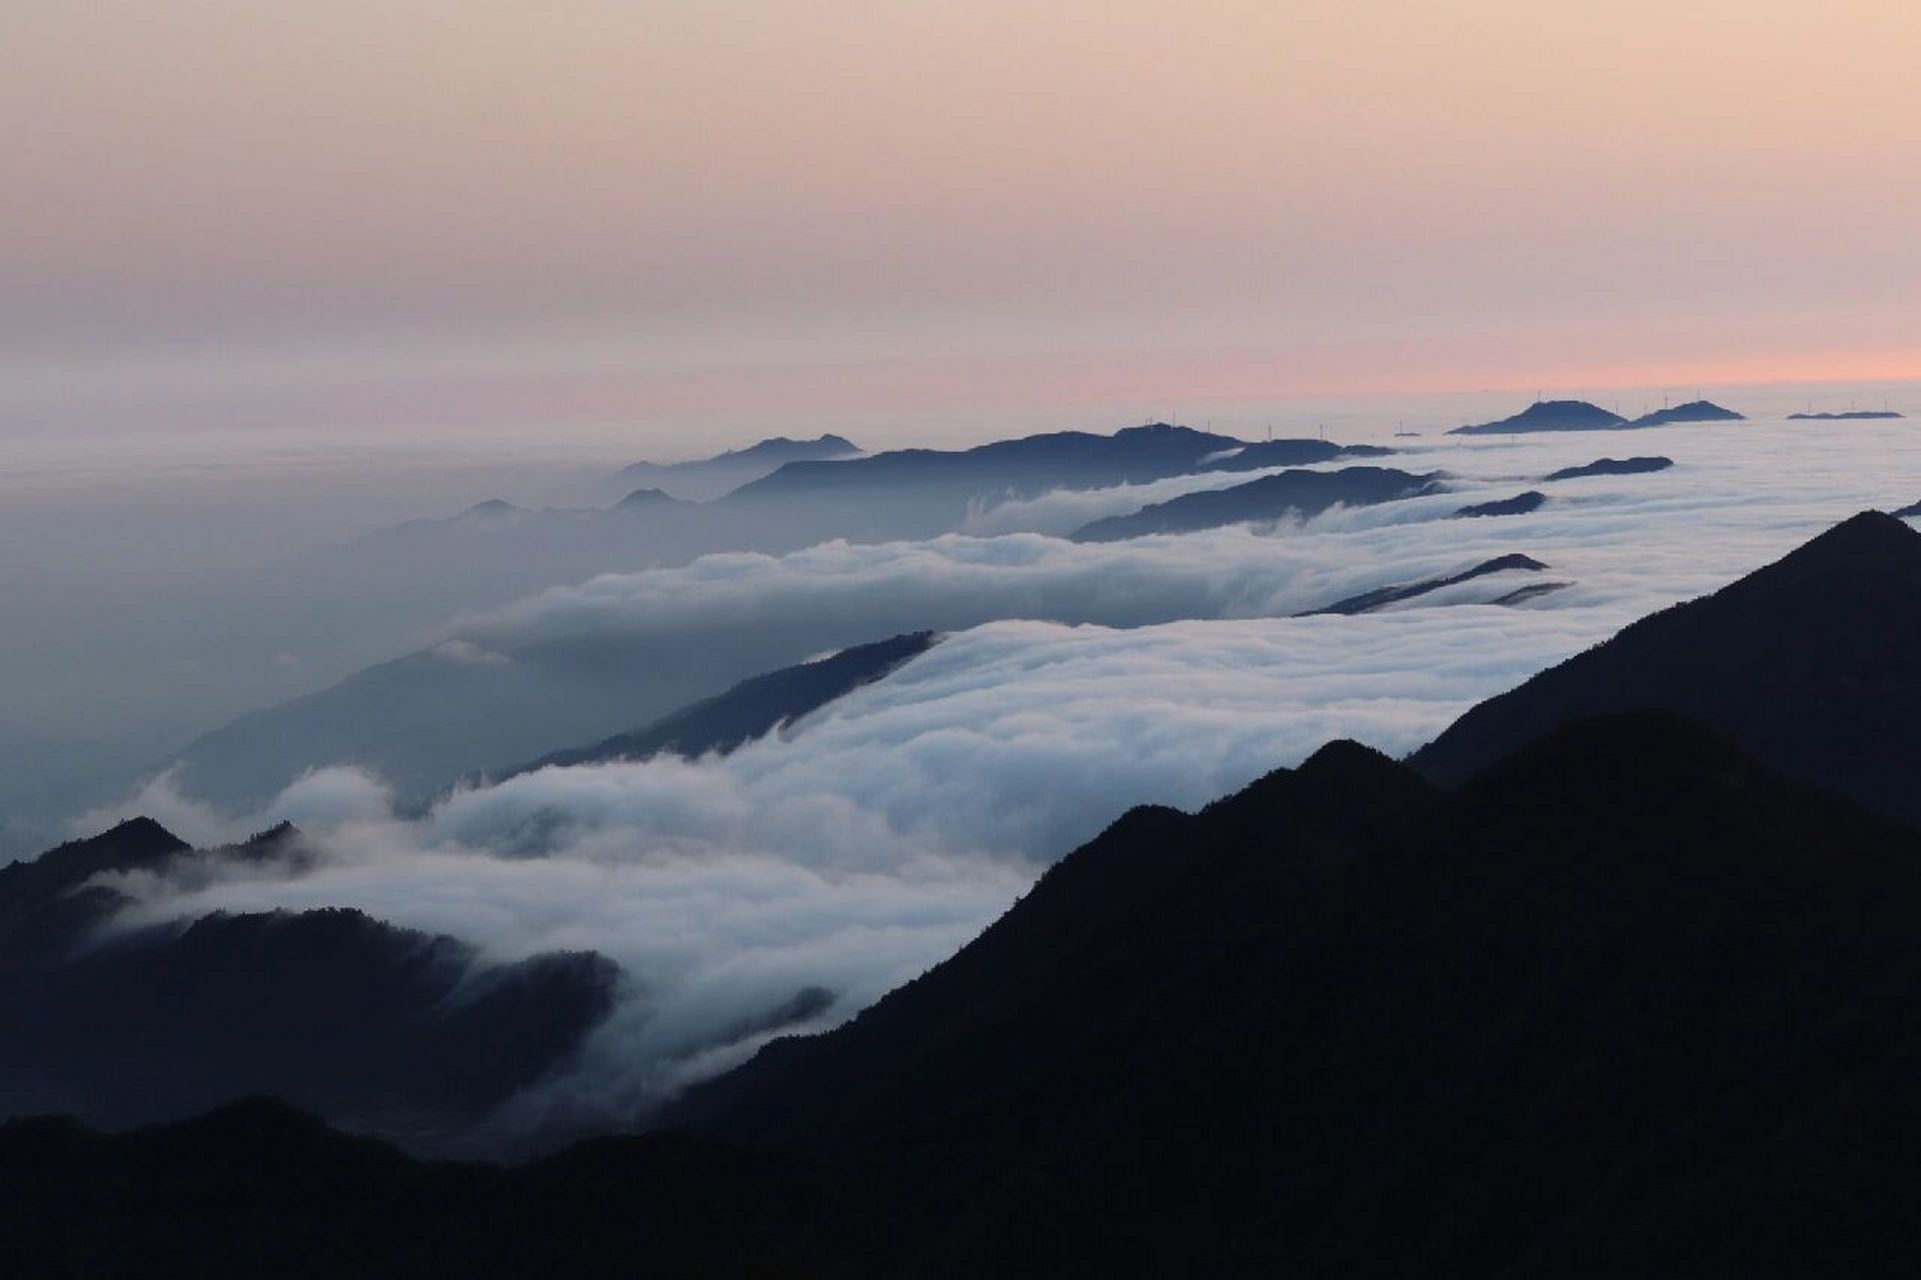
{"x": 1061, "y": 511}
{"x": 871, "y": 840}
{"x": 579, "y": 663}
{"x": 854, "y": 853}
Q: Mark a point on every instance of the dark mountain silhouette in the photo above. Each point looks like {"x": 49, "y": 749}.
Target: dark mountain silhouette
{"x": 1567, "y": 1019}
{"x": 752, "y": 708}
{"x": 705, "y": 478}
{"x": 1692, "y": 411}
{"x": 374, "y": 1026}
{"x": 46, "y": 903}
{"x": 1290, "y": 493}
{"x": 1519, "y": 505}
{"x": 1611, "y": 467}
{"x": 924, "y": 492}
{"x": 1909, "y": 512}
{"x": 1027, "y": 466}
{"x": 1548, "y": 415}
{"x": 1629, "y": 1003}
{"x": 1813, "y": 663}
{"x": 1368, "y": 601}
{"x": 1852, "y": 415}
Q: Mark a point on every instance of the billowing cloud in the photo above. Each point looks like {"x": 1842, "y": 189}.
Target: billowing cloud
{"x": 863, "y": 845}
{"x": 468, "y": 654}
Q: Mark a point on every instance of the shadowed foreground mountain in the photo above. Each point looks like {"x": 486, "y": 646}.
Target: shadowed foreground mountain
{"x": 1627, "y": 1001}
{"x": 373, "y": 1025}
{"x": 1812, "y": 663}
{"x": 1628, "y": 1004}
{"x": 1027, "y": 465}
{"x": 752, "y": 708}
{"x": 1288, "y": 494}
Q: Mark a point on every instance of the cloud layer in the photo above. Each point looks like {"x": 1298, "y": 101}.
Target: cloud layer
{"x": 855, "y": 849}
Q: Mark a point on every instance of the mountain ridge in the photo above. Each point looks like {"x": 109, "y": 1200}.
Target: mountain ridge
{"x": 1286, "y": 493}
{"x": 1832, "y": 631}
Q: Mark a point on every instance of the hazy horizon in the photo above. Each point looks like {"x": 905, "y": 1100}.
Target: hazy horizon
{"x": 711, "y": 220}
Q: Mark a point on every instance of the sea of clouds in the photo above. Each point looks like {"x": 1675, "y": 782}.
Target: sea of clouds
{"x": 855, "y": 849}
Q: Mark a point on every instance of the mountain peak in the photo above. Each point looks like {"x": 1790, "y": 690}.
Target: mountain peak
{"x": 1870, "y": 550}
{"x": 1692, "y": 411}
{"x": 1548, "y": 415}
{"x": 144, "y": 828}
{"x": 1343, "y": 760}
{"x": 1812, "y": 663}
{"x": 492, "y": 511}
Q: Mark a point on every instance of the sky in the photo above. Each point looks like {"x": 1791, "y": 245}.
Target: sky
{"x": 697, "y": 216}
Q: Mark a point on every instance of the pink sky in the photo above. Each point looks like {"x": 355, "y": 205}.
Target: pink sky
{"x": 353, "y": 212}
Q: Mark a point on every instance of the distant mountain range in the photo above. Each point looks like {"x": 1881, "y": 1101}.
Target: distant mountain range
{"x": 1580, "y": 415}
{"x": 921, "y": 492}
{"x": 1297, "y": 494}
{"x": 1025, "y": 466}
{"x": 705, "y": 478}
{"x": 1584, "y": 988}
{"x": 1852, "y": 415}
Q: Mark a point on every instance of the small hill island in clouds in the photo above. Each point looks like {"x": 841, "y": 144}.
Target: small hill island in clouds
{"x": 1692, "y": 411}
{"x": 1548, "y": 415}
{"x": 1611, "y": 467}
{"x": 1519, "y": 505}
{"x": 1580, "y": 415}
